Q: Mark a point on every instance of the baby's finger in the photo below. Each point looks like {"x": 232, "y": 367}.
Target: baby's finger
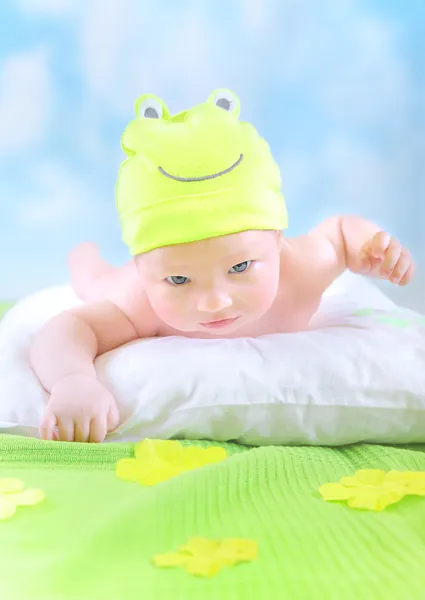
{"x": 392, "y": 256}
{"x": 47, "y": 426}
{"x": 66, "y": 429}
{"x": 82, "y": 431}
{"x": 401, "y": 267}
{"x": 113, "y": 417}
{"x": 408, "y": 276}
{"x": 379, "y": 245}
{"x": 97, "y": 430}
{"x": 363, "y": 263}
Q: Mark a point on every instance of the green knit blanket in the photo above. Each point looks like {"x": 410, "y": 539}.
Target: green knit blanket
{"x": 94, "y": 535}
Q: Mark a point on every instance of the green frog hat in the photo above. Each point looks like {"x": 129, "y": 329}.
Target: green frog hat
{"x": 199, "y": 174}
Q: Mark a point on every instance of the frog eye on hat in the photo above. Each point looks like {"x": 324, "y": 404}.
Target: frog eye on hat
{"x": 226, "y": 100}
{"x": 149, "y": 106}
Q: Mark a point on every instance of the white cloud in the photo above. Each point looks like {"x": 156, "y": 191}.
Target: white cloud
{"x": 182, "y": 57}
{"x": 127, "y": 52}
{"x": 343, "y": 173}
{"x": 33, "y": 275}
{"x": 58, "y": 199}
{"x": 373, "y": 82}
{"x": 358, "y": 176}
{"x": 47, "y": 7}
{"x": 259, "y": 15}
{"x": 107, "y": 35}
{"x": 25, "y": 98}
{"x": 344, "y": 62}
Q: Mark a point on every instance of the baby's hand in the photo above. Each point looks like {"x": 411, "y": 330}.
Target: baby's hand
{"x": 81, "y": 409}
{"x": 383, "y": 256}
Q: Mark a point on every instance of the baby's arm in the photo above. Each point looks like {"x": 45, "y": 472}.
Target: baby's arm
{"x": 62, "y": 357}
{"x": 362, "y": 247}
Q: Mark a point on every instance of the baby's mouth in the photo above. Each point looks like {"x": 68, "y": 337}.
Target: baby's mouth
{"x": 203, "y": 177}
{"x": 219, "y": 323}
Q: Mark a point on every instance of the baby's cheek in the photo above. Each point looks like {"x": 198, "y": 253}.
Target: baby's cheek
{"x": 262, "y": 295}
{"x": 168, "y": 309}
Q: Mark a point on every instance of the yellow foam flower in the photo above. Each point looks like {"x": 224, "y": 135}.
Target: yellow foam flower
{"x": 14, "y": 494}
{"x": 159, "y": 460}
{"x": 373, "y": 489}
{"x": 412, "y": 480}
{"x": 206, "y": 558}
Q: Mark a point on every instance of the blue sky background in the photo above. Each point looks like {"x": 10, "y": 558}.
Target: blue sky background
{"x": 337, "y": 87}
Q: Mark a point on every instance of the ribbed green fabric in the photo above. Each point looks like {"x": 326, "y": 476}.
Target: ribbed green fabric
{"x": 94, "y": 535}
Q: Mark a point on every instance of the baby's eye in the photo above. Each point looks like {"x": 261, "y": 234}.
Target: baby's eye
{"x": 177, "y": 279}
{"x": 240, "y": 267}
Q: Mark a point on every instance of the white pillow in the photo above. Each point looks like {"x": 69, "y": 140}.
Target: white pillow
{"x": 359, "y": 377}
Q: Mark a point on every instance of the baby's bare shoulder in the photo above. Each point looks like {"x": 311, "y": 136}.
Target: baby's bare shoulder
{"x": 134, "y": 302}
{"x": 309, "y": 249}
{"x": 123, "y": 288}
{"x": 309, "y": 263}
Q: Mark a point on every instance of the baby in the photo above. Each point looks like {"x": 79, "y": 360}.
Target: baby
{"x": 202, "y": 214}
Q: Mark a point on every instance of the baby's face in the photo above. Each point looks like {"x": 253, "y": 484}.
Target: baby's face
{"x": 216, "y": 285}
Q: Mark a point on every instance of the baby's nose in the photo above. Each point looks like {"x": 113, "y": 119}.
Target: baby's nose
{"x": 214, "y": 301}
